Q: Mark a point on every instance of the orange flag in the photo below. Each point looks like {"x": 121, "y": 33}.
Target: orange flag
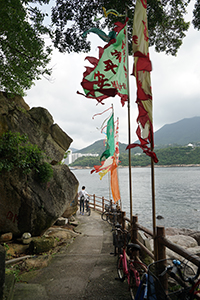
{"x": 114, "y": 182}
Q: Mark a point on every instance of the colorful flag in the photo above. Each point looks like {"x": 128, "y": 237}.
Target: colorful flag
{"x": 110, "y": 145}
{"x": 106, "y": 158}
{"x": 141, "y": 70}
{"x": 114, "y": 183}
{"x": 108, "y": 76}
{"x": 111, "y": 156}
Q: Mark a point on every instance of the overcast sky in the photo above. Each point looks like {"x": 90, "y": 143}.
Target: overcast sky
{"x": 175, "y": 86}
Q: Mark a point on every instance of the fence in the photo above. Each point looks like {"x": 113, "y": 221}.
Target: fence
{"x": 160, "y": 240}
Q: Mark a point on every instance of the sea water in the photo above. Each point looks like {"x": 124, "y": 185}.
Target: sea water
{"x": 177, "y": 194}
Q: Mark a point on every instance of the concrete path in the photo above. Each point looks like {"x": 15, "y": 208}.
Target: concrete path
{"x": 84, "y": 270}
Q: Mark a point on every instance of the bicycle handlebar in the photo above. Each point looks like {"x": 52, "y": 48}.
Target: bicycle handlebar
{"x": 176, "y": 268}
{"x": 119, "y": 228}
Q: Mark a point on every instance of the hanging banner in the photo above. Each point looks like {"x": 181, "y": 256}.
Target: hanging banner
{"x": 108, "y": 76}
{"x": 141, "y": 71}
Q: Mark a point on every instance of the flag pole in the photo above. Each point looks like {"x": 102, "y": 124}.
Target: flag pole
{"x": 109, "y": 176}
{"x": 129, "y": 125}
{"x": 153, "y": 200}
{"x": 117, "y": 168}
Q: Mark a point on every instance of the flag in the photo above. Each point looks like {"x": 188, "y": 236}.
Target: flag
{"x": 110, "y": 147}
{"x": 141, "y": 71}
{"x": 111, "y": 156}
{"x": 108, "y": 76}
{"x": 114, "y": 183}
{"x": 106, "y": 158}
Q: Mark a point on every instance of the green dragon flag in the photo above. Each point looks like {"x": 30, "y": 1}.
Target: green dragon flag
{"x": 108, "y": 76}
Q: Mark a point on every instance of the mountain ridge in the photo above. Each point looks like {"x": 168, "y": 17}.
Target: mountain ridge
{"x": 179, "y": 133}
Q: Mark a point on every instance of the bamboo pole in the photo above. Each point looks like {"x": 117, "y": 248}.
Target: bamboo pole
{"x": 129, "y": 127}
{"x": 153, "y": 202}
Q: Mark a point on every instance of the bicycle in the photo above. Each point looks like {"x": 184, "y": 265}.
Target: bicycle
{"x": 129, "y": 266}
{"x": 117, "y": 239}
{"x": 87, "y": 207}
{"x": 169, "y": 279}
{"x": 111, "y": 215}
{"x": 186, "y": 278}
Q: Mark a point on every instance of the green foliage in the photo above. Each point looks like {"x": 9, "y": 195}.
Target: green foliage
{"x": 17, "y": 152}
{"x": 15, "y": 270}
{"x": 196, "y": 14}
{"x": 166, "y": 22}
{"x": 86, "y": 161}
{"x": 45, "y": 172}
{"x": 66, "y": 154}
{"x": 166, "y": 156}
{"x": 24, "y": 56}
{"x": 6, "y": 246}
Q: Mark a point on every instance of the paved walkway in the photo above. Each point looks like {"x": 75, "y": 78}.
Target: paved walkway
{"x": 85, "y": 270}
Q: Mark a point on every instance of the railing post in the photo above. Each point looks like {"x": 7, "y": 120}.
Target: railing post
{"x": 123, "y": 222}
{"x": 161, "y": 254}
{"x": 111, "y": 203}
{"x": 134, "y": 231}
{"x": 161, "y": 249}
{"x": 94, "y": 201}
{"x": 102, "y": 204}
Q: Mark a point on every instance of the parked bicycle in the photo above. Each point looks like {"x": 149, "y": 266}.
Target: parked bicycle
{"x": 129, "y": 265}
{"x": 87, "y": 206}
{"x": 118, "y": 239}
{"x": 111, "y": 215}
{"x": 170, "y": 279}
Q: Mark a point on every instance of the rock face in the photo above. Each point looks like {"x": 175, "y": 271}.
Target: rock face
{"x": 25, "y": 204}
{"x": 2, "y": 270}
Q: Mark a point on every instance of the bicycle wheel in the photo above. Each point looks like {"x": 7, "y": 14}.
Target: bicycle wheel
{"x": 132, "y": 286}
{"x": 196, "y": 295}
{"x": 136, "y": 269}
{"x": 120, "y": 270}
{"x": 104, "y": 216}
{"x": 110, "y": 218}
{"x": 89, "y": 211}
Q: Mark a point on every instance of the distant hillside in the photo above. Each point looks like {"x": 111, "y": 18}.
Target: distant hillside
{"x": 73, "y": 150}
{"x": 99, "y": 147}
{"x": 182, "y": 132}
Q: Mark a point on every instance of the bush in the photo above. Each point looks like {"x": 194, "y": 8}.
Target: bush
{"x": 17, "y": 152}
{"x": 45, "y": 172}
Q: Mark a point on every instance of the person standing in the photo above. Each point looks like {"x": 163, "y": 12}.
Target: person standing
{"x": 82, "y": 195}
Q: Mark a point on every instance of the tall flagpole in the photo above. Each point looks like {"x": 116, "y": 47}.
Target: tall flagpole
{"x": 109, "y": 176}
{"x": 153, "y": 200}
{"x": 129, "y": 125}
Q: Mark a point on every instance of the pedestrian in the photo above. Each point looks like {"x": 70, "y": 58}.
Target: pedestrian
{"x": 82, "y": 195}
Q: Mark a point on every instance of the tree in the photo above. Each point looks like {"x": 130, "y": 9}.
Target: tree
{"x": 166, "y": 23}
{"x": 23, "y": 55}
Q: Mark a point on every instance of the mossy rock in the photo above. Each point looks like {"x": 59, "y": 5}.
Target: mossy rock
{"x": 41, "y": 244}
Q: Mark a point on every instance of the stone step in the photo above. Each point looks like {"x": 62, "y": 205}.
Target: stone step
{"x": 9, "y": 287}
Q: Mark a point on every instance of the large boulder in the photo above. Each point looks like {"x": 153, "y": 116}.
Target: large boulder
{"x": 27, "y": 205}
{"x": 2, "y": 270}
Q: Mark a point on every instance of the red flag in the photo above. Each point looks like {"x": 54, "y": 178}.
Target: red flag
{"x": 141, "y": 70}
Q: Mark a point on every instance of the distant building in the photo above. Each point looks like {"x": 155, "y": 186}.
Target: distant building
{"x": 190, "y": 145}
{"x": 73, "y": 156}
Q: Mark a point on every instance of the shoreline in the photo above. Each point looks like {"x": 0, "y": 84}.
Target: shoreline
{"x": 148, "y": 166}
